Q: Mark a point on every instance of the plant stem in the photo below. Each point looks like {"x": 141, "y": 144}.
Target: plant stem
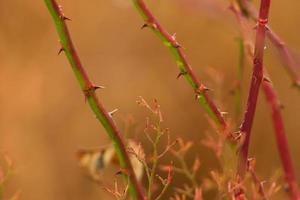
{"x": 256, "y": 80}
{"x": 286, "y": 57}
{"x": 280, "y": 133}
{"x": 181, "y": 60}
{"x": 88, "y": 89}
{"x": 155, "y": 162}
{"x": 238, "y": 88}
{"x": 281, "y": 139}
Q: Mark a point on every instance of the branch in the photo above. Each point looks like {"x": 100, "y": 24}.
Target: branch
{"x": 285, "y": 55}
{"x": 281, "y": 139}
{"x": 280, "y": 133}
{"x": 256, "y": 80}
{"x": 182, "y": 62}
{"x": 89, "y": 89}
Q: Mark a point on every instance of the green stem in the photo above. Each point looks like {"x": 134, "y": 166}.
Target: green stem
{"x": 182, "y": 62}
{"x": 238, "y": 89}
{"x": 89, "y": 91}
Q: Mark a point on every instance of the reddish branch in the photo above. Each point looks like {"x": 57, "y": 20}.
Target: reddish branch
{"x": 286, "y": 57}
{"x": 280, "y": 133}
{"x": 256, "y": 80}
{"x": 182, "y": 61}
{"x": 88, "y": 89}
{"x": 282, "y": 143}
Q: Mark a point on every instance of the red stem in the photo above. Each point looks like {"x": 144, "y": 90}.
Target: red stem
{"x": 186, "y": 69}
{"x": 282, "y": 143}
{"x": 257, "y": 78}
{"x": 280, "y": 133}
{"x": 286, "y": 57}
{"x": 88, "y": 89}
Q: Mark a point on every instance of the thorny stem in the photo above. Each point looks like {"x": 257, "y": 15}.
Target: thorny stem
{"x": 256, "y": 80}
{"x": 280, "y": 133}
{"x": 89, "y": 91}
{"x": 285, "y": 54}
{"x": 282, "y": 143}
{"x": 181, "y": 60}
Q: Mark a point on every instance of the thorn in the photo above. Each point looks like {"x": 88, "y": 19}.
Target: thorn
{"x": 91, "y": 89}
{"x": 174, "y": 36}
{"x": 202, "y": 88}
{"x": 66, "y": 18}
{"x": 144, "y": 26}
{"x": 181, "y": 73}
{"x": 177, "y": 45}
{"x": 237, "y": 135}
{"x": 98, "y": 87}
{"x": 122, "y": 171}
{"x": 149, "y": 24}
{"x": 60, "y": 50}
{"x": 267, "y": 79}
{"x": 113, "y": 112}
{"x": 224, "y": 113}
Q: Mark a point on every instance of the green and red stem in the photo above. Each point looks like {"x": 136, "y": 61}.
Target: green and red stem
{"x": 181, "y": 59}
{"x": 88, "y": 89}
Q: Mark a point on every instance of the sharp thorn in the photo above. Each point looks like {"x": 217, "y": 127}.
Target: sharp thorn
{"x": 144, "y": 26}
{"x": 224, "y": 113}
{"x": 177, "y": 46}
{"x": 66, "y": 18}
{"x": 182, "y": 73}
{"x": 267, "y": 79}
{"x": 60, "y": 50}
{"x": 202, "y": 88}
{"x": 113, "y": 112}
{"x": 98, "y": 87}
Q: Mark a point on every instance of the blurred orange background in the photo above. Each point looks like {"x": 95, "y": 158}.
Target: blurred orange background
{"x": 44, "y": 118}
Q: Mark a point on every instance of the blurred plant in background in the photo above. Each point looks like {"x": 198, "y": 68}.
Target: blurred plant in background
{"x": 151, "y": 162}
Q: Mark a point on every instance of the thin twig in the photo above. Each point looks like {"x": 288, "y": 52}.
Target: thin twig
{"x": 256, "y": 80}
{"x": 88, "y": 88}
{"x": 282, "y": 143}
{"x": 286, "y": 57}
{"x": 181, "y": 60}
{"x": 279, "y": 128}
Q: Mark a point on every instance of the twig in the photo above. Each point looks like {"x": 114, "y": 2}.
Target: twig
{"x": 280, "y": 133}
{"x": 282, "y": 143}
{"x": 256, "y": 80}
{"x": 286, "y": 57}
{"x": 181, "y": 60}
{"x": 89, "y": 91}
{"x": 237, "y": 91}
{"x": 256, "y": 181}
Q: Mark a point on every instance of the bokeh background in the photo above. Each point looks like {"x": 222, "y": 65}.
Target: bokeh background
{"x": 43, "y": 115}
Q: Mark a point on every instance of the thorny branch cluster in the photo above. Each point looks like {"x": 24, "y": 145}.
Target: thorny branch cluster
{"x": 235, "y": 178}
